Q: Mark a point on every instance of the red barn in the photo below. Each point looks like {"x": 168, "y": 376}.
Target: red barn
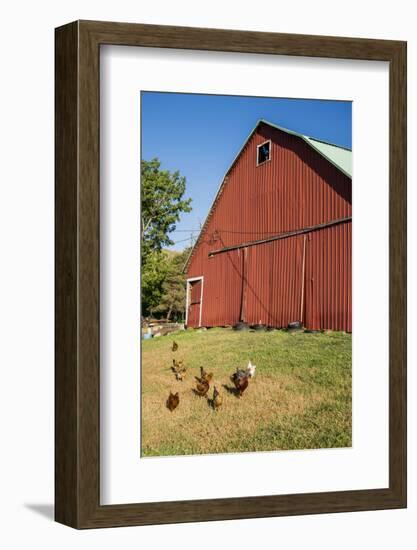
{"x": 276, "y": 245}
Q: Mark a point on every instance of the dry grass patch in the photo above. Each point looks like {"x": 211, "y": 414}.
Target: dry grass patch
{"x": 300, "y": 397}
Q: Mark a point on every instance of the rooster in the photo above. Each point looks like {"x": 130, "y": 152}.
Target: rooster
{"x": 241, "y": 377}
{"x": 241, "y": 381}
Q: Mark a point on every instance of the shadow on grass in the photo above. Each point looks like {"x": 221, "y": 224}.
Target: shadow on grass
{"x": 231, "y": 390}
{"x": 195, "y": 392}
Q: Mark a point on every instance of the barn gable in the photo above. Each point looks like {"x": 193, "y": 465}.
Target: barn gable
{"x": 307, "y": 150}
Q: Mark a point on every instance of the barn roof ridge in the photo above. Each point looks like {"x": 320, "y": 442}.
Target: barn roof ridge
{"x": 341, "y": 161}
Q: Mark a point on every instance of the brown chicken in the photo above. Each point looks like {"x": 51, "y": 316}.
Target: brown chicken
{"x": 178, "y": 369}
{"x": 204, "y": 376}
{"x": 202, "y": 388}
{"x": 217, "y": 399}
{"x": 174, "y": 346}
{"x": 172, "y": 401}
{"x": 241, "y": 382}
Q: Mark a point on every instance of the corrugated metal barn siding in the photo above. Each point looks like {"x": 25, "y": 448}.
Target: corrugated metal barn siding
{"x": 222, "y": 289}
{"x": 274, "y": 282}
{"x": 270, "y": 285}
{"x": 329, "y": 279}
{"x": 297, "y": 188}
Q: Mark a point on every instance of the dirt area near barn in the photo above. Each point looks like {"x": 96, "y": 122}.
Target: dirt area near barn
{"x": 300, "y": 397}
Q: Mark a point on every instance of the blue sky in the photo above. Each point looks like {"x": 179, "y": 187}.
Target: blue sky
{"x": 200, "y": 135}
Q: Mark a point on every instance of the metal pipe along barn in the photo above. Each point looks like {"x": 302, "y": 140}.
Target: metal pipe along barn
{"x": 276, "y": 246}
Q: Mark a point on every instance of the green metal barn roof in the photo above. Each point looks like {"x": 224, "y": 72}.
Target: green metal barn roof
{"x": 341, "y": 157}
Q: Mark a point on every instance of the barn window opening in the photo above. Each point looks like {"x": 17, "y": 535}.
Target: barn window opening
{"x": 263, "y": 152}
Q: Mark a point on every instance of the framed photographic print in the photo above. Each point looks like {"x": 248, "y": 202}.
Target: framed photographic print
{"x": 230, "y": 274}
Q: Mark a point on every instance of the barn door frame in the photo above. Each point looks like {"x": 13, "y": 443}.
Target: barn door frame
{"x": 187, "y": 297}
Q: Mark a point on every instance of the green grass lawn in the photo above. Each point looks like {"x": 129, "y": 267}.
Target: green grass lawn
{"x": 300, "y": 397}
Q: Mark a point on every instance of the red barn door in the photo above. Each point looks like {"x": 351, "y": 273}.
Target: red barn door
{"x": 195, "y": 295}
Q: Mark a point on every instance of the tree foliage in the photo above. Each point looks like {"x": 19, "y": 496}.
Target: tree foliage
{"x": 154, "y": 272}
{"x": 162, "y": 205}
{"x": 172, "y": 300}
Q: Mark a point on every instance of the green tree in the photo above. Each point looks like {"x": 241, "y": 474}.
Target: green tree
{"x": 162, "y": 205}
{"x": 154, "y": 272}
{"x": 172, "y": 299}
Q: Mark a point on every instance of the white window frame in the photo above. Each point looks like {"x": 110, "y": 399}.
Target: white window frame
{"x": 257, "y": 152}
{"x": 187, "y": 297}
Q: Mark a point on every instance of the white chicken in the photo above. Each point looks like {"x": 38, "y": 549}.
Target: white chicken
{"x": 250, "y": 370}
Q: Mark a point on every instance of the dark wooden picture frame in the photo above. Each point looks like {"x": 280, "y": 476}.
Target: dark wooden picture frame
{"x": 77, "y": 374}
